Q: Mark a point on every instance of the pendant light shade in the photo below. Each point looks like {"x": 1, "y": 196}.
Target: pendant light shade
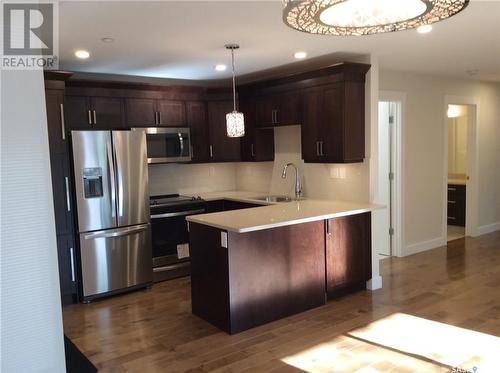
{"x": 235, "y": 122}
{"x": 365, "y": 17}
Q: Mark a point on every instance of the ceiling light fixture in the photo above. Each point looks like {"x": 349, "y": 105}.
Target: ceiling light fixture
{"x": 107, "y": 39}
{"x": 300, "y": 55}
{"x": 220, "y": 67}
{"x": 82, "y": 54}
{"x": 235, "y": 123}
{"x": 365, "y": 17}
{"x": 424, "y": 29}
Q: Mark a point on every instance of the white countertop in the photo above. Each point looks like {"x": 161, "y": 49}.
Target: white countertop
{"x": 276, "y": 214}
{"x": 457, "y": 181}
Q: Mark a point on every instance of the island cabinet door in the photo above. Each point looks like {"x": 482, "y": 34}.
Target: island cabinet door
{"x": 348, "y": 254}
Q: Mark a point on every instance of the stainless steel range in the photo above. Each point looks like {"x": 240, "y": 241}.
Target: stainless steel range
{"x": 170, "y": 236}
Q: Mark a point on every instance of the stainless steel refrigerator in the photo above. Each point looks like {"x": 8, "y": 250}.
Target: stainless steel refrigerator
{"x": 111, "y": 186}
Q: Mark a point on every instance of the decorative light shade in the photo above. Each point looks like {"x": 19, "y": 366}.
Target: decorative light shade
{"x": 365, "y": 17}
{"x": 235, "y": 124}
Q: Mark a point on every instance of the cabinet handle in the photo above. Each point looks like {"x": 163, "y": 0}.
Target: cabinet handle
{"x": 159, "y": 117}
{"x": 252, "y": 150}
{"x": 90, "y": 117}
{"x": 452, "y": 218}
{"x": 321, "y": 148}
{"x": 317, "y": 148}
{"x": 66, "y": 182}
{"x": 328, "y": 228}
{"x": 211, "y": 151}
{"x": 72, "y": 261}
{"x": 95, "y": 118}
{"x": 63, "y": 125}
{"x": 452, "y": 189}
{"x": 452, "y": 202}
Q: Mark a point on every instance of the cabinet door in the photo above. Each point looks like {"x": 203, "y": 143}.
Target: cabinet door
{"x": 348, "y": 253}
{"x": 140, "y": 112}
{"x": 78, "y": 113}
{"x": 266, "y": 108}
{"x": 258, "y": 143}
{"x": 61, "y": 190}
{"x": 54, "y": 100}
{"x": 196, "y": 112}
{"x": 288, "y": 109}
{"x": 312, "y": 121}
{"x": 67, "y": 268}
{"x": 109, "y": 112}
{"x": 237, "y": 205}
{"x": 223, "y": 148}
{"x": 171, "y": 113}
{"x": 332, "y": 124}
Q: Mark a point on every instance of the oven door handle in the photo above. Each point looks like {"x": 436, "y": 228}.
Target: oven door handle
{"x": 174, "y": 214}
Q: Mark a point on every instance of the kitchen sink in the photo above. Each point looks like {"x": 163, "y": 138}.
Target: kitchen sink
{"x": 274, "y": 199}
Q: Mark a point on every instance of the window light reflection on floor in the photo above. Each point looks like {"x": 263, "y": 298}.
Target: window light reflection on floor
{"x": 404, "y": 341}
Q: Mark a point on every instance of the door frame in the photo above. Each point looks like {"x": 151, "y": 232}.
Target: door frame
{"x": 397, "y": 156}
{"x": 472, "y": 195}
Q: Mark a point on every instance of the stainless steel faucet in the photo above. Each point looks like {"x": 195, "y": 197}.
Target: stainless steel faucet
{"x": 298, "y": 184}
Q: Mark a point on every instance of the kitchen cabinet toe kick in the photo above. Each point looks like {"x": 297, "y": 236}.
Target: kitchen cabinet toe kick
{"x": 243, "y": 280}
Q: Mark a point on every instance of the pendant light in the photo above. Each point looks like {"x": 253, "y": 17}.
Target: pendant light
{"x": 365, "y": 17}
{"x": 235, "y": 122}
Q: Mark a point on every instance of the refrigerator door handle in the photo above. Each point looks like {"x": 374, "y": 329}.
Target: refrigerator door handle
{"x": 120, "y": 232}
{"x": 112, "y": 184}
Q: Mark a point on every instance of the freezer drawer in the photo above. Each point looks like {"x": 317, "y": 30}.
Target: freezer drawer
{"x": 115, "y": 259}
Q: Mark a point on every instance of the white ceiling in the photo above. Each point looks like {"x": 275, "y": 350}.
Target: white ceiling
{"x": 185, "y": 39}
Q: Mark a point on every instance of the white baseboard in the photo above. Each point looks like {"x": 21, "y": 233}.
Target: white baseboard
{"x": 375, "y": 283}
{"x": 489, "y": 228}
{"x": 424, "y": 246}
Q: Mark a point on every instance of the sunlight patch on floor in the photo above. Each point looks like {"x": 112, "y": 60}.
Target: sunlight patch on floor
{"x": 442, "y": 343}
{"x": 402, "y": 342}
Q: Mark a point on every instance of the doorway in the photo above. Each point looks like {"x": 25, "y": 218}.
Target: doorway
{"x": 459, "y": 209}
{"x": 390, "y": 129}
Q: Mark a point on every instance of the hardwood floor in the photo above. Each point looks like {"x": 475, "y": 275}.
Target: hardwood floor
{"x": 458, "y": 285}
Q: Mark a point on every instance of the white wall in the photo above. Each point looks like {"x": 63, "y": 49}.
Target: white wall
{"x": 424, "y": 156}
{"x": 31, "y": 320}
{"x": 319, "y": 180}
{"x": 191, "y": 178}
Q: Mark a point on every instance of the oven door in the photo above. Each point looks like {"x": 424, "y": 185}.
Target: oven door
{"x": 170, "y": 237}
{"x": 168, "y": 145}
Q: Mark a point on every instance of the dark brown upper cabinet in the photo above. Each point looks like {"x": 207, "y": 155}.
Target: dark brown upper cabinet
{"x": 221, "y": 147}
{"x": 171, "y": 113}
{"x": 348, "y": 254}
{"x": 83, "y": 112}
{"x": 141, "y": 112}
{"x": 197, "y": 120}
{"x": 144, "y": 112}
{"x": 258, "y": 143}
{"x": 333, "y": 123}
{"x": 279, "y": 109}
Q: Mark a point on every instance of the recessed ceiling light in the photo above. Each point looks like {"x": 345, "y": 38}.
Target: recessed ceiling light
{"x": 220, "y": 67}
{"x": 424, "y": 29}
{"x": 82, "y": 54}
{"x": 300, "y": 55}
{"x": 472, "y": 72}
{"x": 107, "y": 40}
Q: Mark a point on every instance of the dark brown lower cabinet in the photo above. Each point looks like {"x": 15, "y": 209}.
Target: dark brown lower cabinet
{"x": 67, "y": 268}
{"x": 228, "y": 205}
{"x": 456, "y": 204}
{"x": 348, "y": 254}
{"x": 259, "y": 277}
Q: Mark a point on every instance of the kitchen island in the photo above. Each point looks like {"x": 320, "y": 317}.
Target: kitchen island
{"x": 253, "y": 266}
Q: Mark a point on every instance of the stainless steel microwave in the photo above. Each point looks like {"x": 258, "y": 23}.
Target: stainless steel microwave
{"x": 168, "y": 145}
